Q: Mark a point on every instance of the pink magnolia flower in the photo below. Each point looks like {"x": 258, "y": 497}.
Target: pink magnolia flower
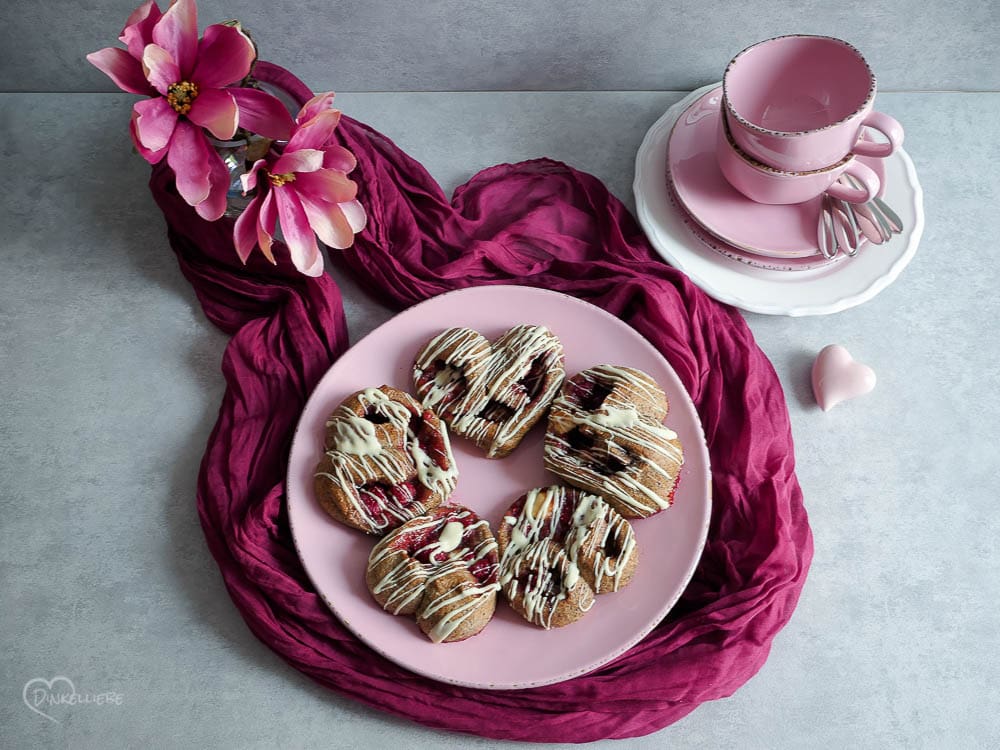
{"x": 187, "y": 80}
{"x": 305, "y": 189}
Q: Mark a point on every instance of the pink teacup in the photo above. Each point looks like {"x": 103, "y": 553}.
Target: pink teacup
{"x": 764, "y": 184}
{"x": 799, "y": 103}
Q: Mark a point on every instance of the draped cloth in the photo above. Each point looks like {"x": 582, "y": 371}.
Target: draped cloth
{"x": 538, "y": 223}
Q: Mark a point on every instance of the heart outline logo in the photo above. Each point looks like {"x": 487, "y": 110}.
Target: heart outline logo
{"x": 48, "y": 686}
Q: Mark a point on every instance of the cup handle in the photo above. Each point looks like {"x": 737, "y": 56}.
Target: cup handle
{"x": 887, "y": 126}
{"x": 863, "y": 174}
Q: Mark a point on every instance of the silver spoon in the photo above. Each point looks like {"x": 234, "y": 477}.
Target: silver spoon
{"x": 826, "y": 236}
{"x": 895, "y": 223}
{"x": 852, "y": 235}
{"x": 865, "y": 211}
{"x": 887, "y": 219}
{"x": 869, "y": 226}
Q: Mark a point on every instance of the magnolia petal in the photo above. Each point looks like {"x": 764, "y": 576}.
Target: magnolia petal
{"x": 214, "y": 206}
{"x": 355, "y": 214}
{"x": 155, "y": 122}
{"x": 295, "y": 228}
{"x": 138, "y": 31}
{"x": 316, "y": 269}
{"x": 339, "y": 158}
{"x": 327, "y": 185}
{"x": 215, "y": 109}
{"x": 316, "y": 132}
{"x": 304, "y": 160}
{"x": 122, "y": 69}
{"x": 177, "y": 32}
{"x": 189, "y": 158}
{"x": 329, "y": 222}
{"x": 160, "y": 68}
{"x": 262, "y": 113}
{"x": 153, "y": 157}
{"x": 266, "y": 226}
{"x": 245, "y": 232}
{"x": 249, "y": 179}
{"x": 224, "y": 57}
{"x": 316, "y": 105}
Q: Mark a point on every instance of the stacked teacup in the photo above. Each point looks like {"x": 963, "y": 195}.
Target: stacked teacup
{"x": 795, "y": 109}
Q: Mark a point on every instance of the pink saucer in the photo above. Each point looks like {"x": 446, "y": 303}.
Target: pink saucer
{"x": 784, "y": 232}
{"x": 735, "y": 254}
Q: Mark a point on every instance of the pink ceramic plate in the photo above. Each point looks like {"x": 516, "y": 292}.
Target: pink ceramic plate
{"x": 735, "y": 254}
{"x": 776, "y": 231}
{"x": 509, "y": 653}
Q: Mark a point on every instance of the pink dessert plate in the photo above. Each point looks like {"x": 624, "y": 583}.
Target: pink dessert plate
{"x": 709, "y": 240}
{"x": 509, "y": 653}
{"x": 777, "y": 231}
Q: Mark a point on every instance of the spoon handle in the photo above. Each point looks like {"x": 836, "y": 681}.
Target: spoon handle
{"x": 874, "y": 217}
{"x": 825, "y": 236}
{"x": 895, "y": 223}
{"x": 878, "y": 211}
{"x": 854, "y": 238}
{"x": 869, "y": 227}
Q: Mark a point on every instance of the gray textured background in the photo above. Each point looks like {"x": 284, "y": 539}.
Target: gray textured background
{"x": 470, "y": 45}
{"x": 112, "y": 382}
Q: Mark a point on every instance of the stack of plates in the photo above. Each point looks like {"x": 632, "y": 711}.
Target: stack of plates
{"x": 760, "y": 257}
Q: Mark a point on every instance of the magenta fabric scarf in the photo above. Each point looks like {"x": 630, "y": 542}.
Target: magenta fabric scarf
{"x": 539, "y": 223}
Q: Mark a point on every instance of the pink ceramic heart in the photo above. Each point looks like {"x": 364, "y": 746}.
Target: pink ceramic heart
{"x": 836, "y": 377}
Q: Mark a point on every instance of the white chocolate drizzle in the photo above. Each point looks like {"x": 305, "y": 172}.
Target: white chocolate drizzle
{"x": 355, "y": 435}
{"x": 410, "y": 580}
{"x": 451, "y": 535}
{"x": 469, "y": 348}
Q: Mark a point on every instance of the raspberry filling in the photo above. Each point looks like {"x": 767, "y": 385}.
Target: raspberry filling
{"x": 430, "y": 440}
{"x": 375, "y": 496}
{"x": 588, "y": 394}
{"x": 564, "y": 523}
{"x": 420, "y": 544}
{"x": 517, "y": 507}
{"x": 485, "y": 570}
{"x": 673, "y": 490}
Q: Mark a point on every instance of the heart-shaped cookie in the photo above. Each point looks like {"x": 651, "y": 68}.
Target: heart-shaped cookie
{"x": 606, "y": 436}
{"x": 490, "y": 392}
{"x": 837, "y": 376}
{"x": 387, "y": 460}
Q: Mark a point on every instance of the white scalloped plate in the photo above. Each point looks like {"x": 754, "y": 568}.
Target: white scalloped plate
{"x": 820, "y": 291}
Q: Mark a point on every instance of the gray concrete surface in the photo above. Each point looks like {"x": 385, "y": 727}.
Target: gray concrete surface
{"x": 111, "y": 381}
{"x": 446, "y": 45}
